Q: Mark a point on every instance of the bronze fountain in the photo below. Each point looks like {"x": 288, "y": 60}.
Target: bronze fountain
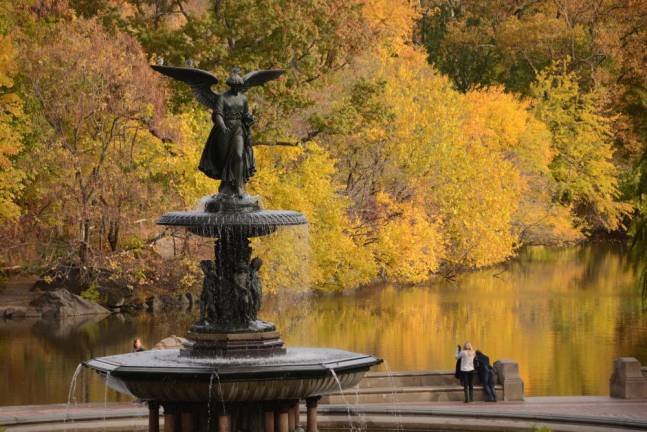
{"x": 235, "y": 372}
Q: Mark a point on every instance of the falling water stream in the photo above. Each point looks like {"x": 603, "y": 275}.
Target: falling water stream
{"x": 343, "y": 396}
{"x": 209, "y": 401}
{"x": 358, "y": 413}
{"x": 71, "y": 394}
{"x": 395, "y": 402}
{"x": 105, "y": 400}
{"x": 222, "y": 397}
{"x": 215, "y": 375}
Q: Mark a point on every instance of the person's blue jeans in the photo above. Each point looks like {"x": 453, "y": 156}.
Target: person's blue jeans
{"x": 487, "y": 380}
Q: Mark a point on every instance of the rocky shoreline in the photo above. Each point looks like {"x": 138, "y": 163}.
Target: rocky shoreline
{"x": 46, "y": 298}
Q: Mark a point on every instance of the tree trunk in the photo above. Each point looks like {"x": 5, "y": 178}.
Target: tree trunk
{"x": 113, "y": 234}
{"x": 84, "y": 229}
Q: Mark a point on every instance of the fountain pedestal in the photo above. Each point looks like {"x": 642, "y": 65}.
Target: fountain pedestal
{"x": 233, "y": 344}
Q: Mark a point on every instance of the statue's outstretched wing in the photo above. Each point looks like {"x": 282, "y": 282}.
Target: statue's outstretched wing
{"x": 199, "y": 80}
{"x": 260, "y": 77}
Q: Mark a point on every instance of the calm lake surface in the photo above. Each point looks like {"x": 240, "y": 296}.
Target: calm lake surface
{"x": 563, "y": 314}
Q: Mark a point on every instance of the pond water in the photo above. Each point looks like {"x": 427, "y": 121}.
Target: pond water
{"x": 563, "y": 314}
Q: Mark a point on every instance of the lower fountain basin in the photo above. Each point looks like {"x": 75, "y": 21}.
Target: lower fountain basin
{"x": 297, "y": 374}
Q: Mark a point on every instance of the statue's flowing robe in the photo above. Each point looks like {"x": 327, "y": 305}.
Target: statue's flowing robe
{"x": 216, "y": 157}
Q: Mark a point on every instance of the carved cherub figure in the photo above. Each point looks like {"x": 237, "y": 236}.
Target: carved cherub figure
{"x": 208, "y": 297}
{"x": 255, "y": 283}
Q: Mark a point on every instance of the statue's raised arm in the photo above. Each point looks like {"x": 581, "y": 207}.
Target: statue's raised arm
{"x": 228, "y": 155}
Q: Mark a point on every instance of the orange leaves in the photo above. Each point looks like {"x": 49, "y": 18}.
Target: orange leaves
{"x": 11, "y": 177}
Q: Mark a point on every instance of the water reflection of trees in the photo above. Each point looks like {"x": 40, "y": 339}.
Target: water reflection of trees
{"x": 564, "y": 317}
{"x": 563, "y": 314}
{"x": 39, "y": 357}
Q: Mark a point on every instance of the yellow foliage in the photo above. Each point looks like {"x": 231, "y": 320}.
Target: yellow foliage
{"x": 503, "y": 123}
{"x": 497, "y": 118}
{"x": 10, "y": 138}
{"x": 408, "y": 245}
{"x": 582, "y": 138}
{"x": 189, "y": 183}
{"x": 302, "y": 178}
{"x": 448, "y": 157}
{"x": 468, "y": 174}
{"x": 393, "y": 20}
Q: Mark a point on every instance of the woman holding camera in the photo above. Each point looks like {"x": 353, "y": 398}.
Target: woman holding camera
{"x": 466, "y": 369}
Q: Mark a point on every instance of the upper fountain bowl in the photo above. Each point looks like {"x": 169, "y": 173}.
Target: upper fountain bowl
{"x": 224, "y": 215}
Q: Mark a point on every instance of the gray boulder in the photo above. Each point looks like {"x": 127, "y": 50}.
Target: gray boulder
{"x": 170, "y": 342}
{"x": 14, "y": 313}
{"x": 115, "y": 294}
{"x": 61, "y": 303}
{"x": 153, "y": 304}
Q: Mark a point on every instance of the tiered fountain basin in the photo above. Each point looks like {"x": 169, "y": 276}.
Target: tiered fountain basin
{"x": 165, "y": 375}
{"x": 222, "y": 215}
{"x": 234, "y": 373}
{"x": 249, "y": 224}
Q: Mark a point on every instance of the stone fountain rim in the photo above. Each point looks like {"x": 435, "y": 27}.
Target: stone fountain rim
{"x": 243, "y": 218}
{"x": 357, "y": 362}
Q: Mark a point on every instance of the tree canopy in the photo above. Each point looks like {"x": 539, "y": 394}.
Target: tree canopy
{"x": 429, "y": 137}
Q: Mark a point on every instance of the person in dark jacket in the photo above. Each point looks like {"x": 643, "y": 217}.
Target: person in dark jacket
{"x": 486, "y": 375}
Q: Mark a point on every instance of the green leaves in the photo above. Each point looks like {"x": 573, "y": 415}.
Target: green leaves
{"x": 583, "y": 165}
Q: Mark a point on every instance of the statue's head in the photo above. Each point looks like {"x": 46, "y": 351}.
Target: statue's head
{"x": 235, "y": 81}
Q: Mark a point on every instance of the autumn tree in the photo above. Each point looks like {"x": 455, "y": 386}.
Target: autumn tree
{"x": 12, "y": 121}
{"x": 483, "y": 43}
{"x": 11, "y": 113}
{"x": 403, "y": 168}
{"x": 467, "y": 175}
{"x": 582, "y": 139}
{"x": 102, "y": 106}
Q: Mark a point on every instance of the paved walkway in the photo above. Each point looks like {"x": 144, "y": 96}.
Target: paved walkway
{"x": 587, "y": 413}
{"x": 26, "y": 414}
{"x": 596, "y": 406}
{"x": 573, "y": 413}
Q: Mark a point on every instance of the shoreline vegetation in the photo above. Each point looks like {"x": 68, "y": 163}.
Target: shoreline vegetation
{"x": 430, "y": 138}
{"x": 28, "y": 295}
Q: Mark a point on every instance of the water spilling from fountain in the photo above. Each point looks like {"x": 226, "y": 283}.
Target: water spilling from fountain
{"x": 71, "y": 394}
{"x": 343, "y": 396}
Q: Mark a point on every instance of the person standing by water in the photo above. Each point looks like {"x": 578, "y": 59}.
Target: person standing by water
{"x": 138, "y": 346}
{"x": 466, "y": 358}
{"x": 486, "y": 375}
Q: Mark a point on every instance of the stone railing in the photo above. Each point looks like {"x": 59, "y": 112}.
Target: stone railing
{"x": 507, "y": 372}
{"x": 629, "y": 379}
{"x": 430, "y": 386}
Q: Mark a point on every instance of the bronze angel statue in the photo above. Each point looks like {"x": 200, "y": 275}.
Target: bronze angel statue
{"x": 228, "y": 155}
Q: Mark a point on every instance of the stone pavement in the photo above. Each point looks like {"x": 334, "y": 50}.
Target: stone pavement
{"x": 596, "y": 406}
{"x": 583, "y": 413}
{"x": 587, "y": 413}
{"x": 59, "y": 413}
